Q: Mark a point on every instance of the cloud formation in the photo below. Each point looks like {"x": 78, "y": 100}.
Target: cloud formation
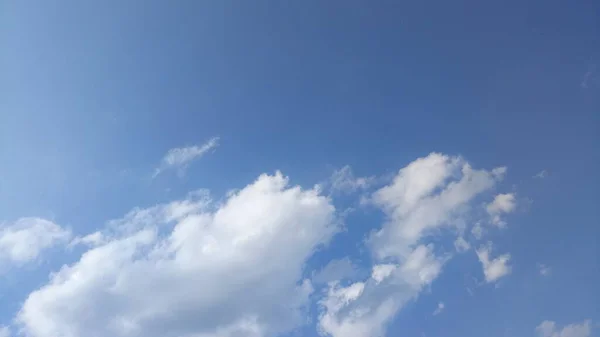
{"x": 192, "y": 268}
{"x": 343, "y": 180}
{"x": 199, "y": 268}
{"x": 493, "y": 269}
{"x": 544, "y": 269}
{"x": 179, "y": 158}
{"x": 426, "y": 196}
{"x": 502, "y": 204}
{"x": 24, "y": 240}
{"x": 549, "y": 329}
{"x": 461, "y": 245}
{"x": 439, "y": 309}
{"x": 587, "y": 75}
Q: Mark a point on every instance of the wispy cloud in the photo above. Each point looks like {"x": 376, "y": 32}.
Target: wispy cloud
{"x": 544, "y": 269}
{"x": 587, "y": 76}
{"x": 461, "y": 245}
{"x": 179, "y": 158}
{"x": 439, "y": 309}
{"x": 336, "y": 270}
{"x": 541, "y": 175}
{"x": 549, "y": 329}
{"x": 343, "y": 180}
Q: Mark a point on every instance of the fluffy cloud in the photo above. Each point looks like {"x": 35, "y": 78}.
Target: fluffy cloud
{"x": 503, "y": 203}
{"x": 24, "y": 240}
{"x": 493, "y": 269}
{"x": 191, "y": 268}
{"x": 427, "y": 195}
{"x": 363, "y": 309}
{"x": 549, "y": 329}
{"x": 179, "y": 158}
{"x": 4, "y": 331}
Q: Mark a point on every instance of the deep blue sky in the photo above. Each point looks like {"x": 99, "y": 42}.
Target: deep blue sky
{"x": 92, "y": 94}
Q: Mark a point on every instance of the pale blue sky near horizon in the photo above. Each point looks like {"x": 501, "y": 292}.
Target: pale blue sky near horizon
{"x": 93, "y": 94}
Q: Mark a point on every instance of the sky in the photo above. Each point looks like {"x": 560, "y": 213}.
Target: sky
{"x": 301, "y": 168}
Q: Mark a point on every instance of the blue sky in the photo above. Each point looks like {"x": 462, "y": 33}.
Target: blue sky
{"x": 161, "y": 128}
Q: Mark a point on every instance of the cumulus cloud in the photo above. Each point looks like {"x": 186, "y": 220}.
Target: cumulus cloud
{"x": 493, "y": 269}
{"x": 4, "y": 331}
{"x": 502, "y": 204}
{"x": 343, "y": 180}
{"x": 549, "y": 329}
{"x": 24, "y": 240}
{"x": 427, "y": 195}
{"x": 179, "y": 158}
{"x": 191, "y": 268}
{"x": 541, "y": 175}
{"x": 439, "y": 309}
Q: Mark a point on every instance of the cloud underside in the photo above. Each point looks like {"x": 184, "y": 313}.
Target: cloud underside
{"x": 199, "y": 268}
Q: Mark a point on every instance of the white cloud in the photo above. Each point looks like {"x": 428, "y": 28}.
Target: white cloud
{"x": 94, "y": 239}
{"x": 461, "y": 245}
{"x": 179, "y": 158}
{"x": 192, "y": 268}
{"x": 549, "y": 329}
{"x": 439, "y": 309}
{"x": 493, "y": 269}
{"x": 24, "y": 240}
{"x": 4, "y": 331}
{"x": 343, "y": 180}
{"x": 502, "y": 204}
{"x": 544, "y": 269}
{"x": 427, "y": 195}
{"x": 541, "y": 175}
{"x": 365, "y": 313}
{"x": 382, "y": 271}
